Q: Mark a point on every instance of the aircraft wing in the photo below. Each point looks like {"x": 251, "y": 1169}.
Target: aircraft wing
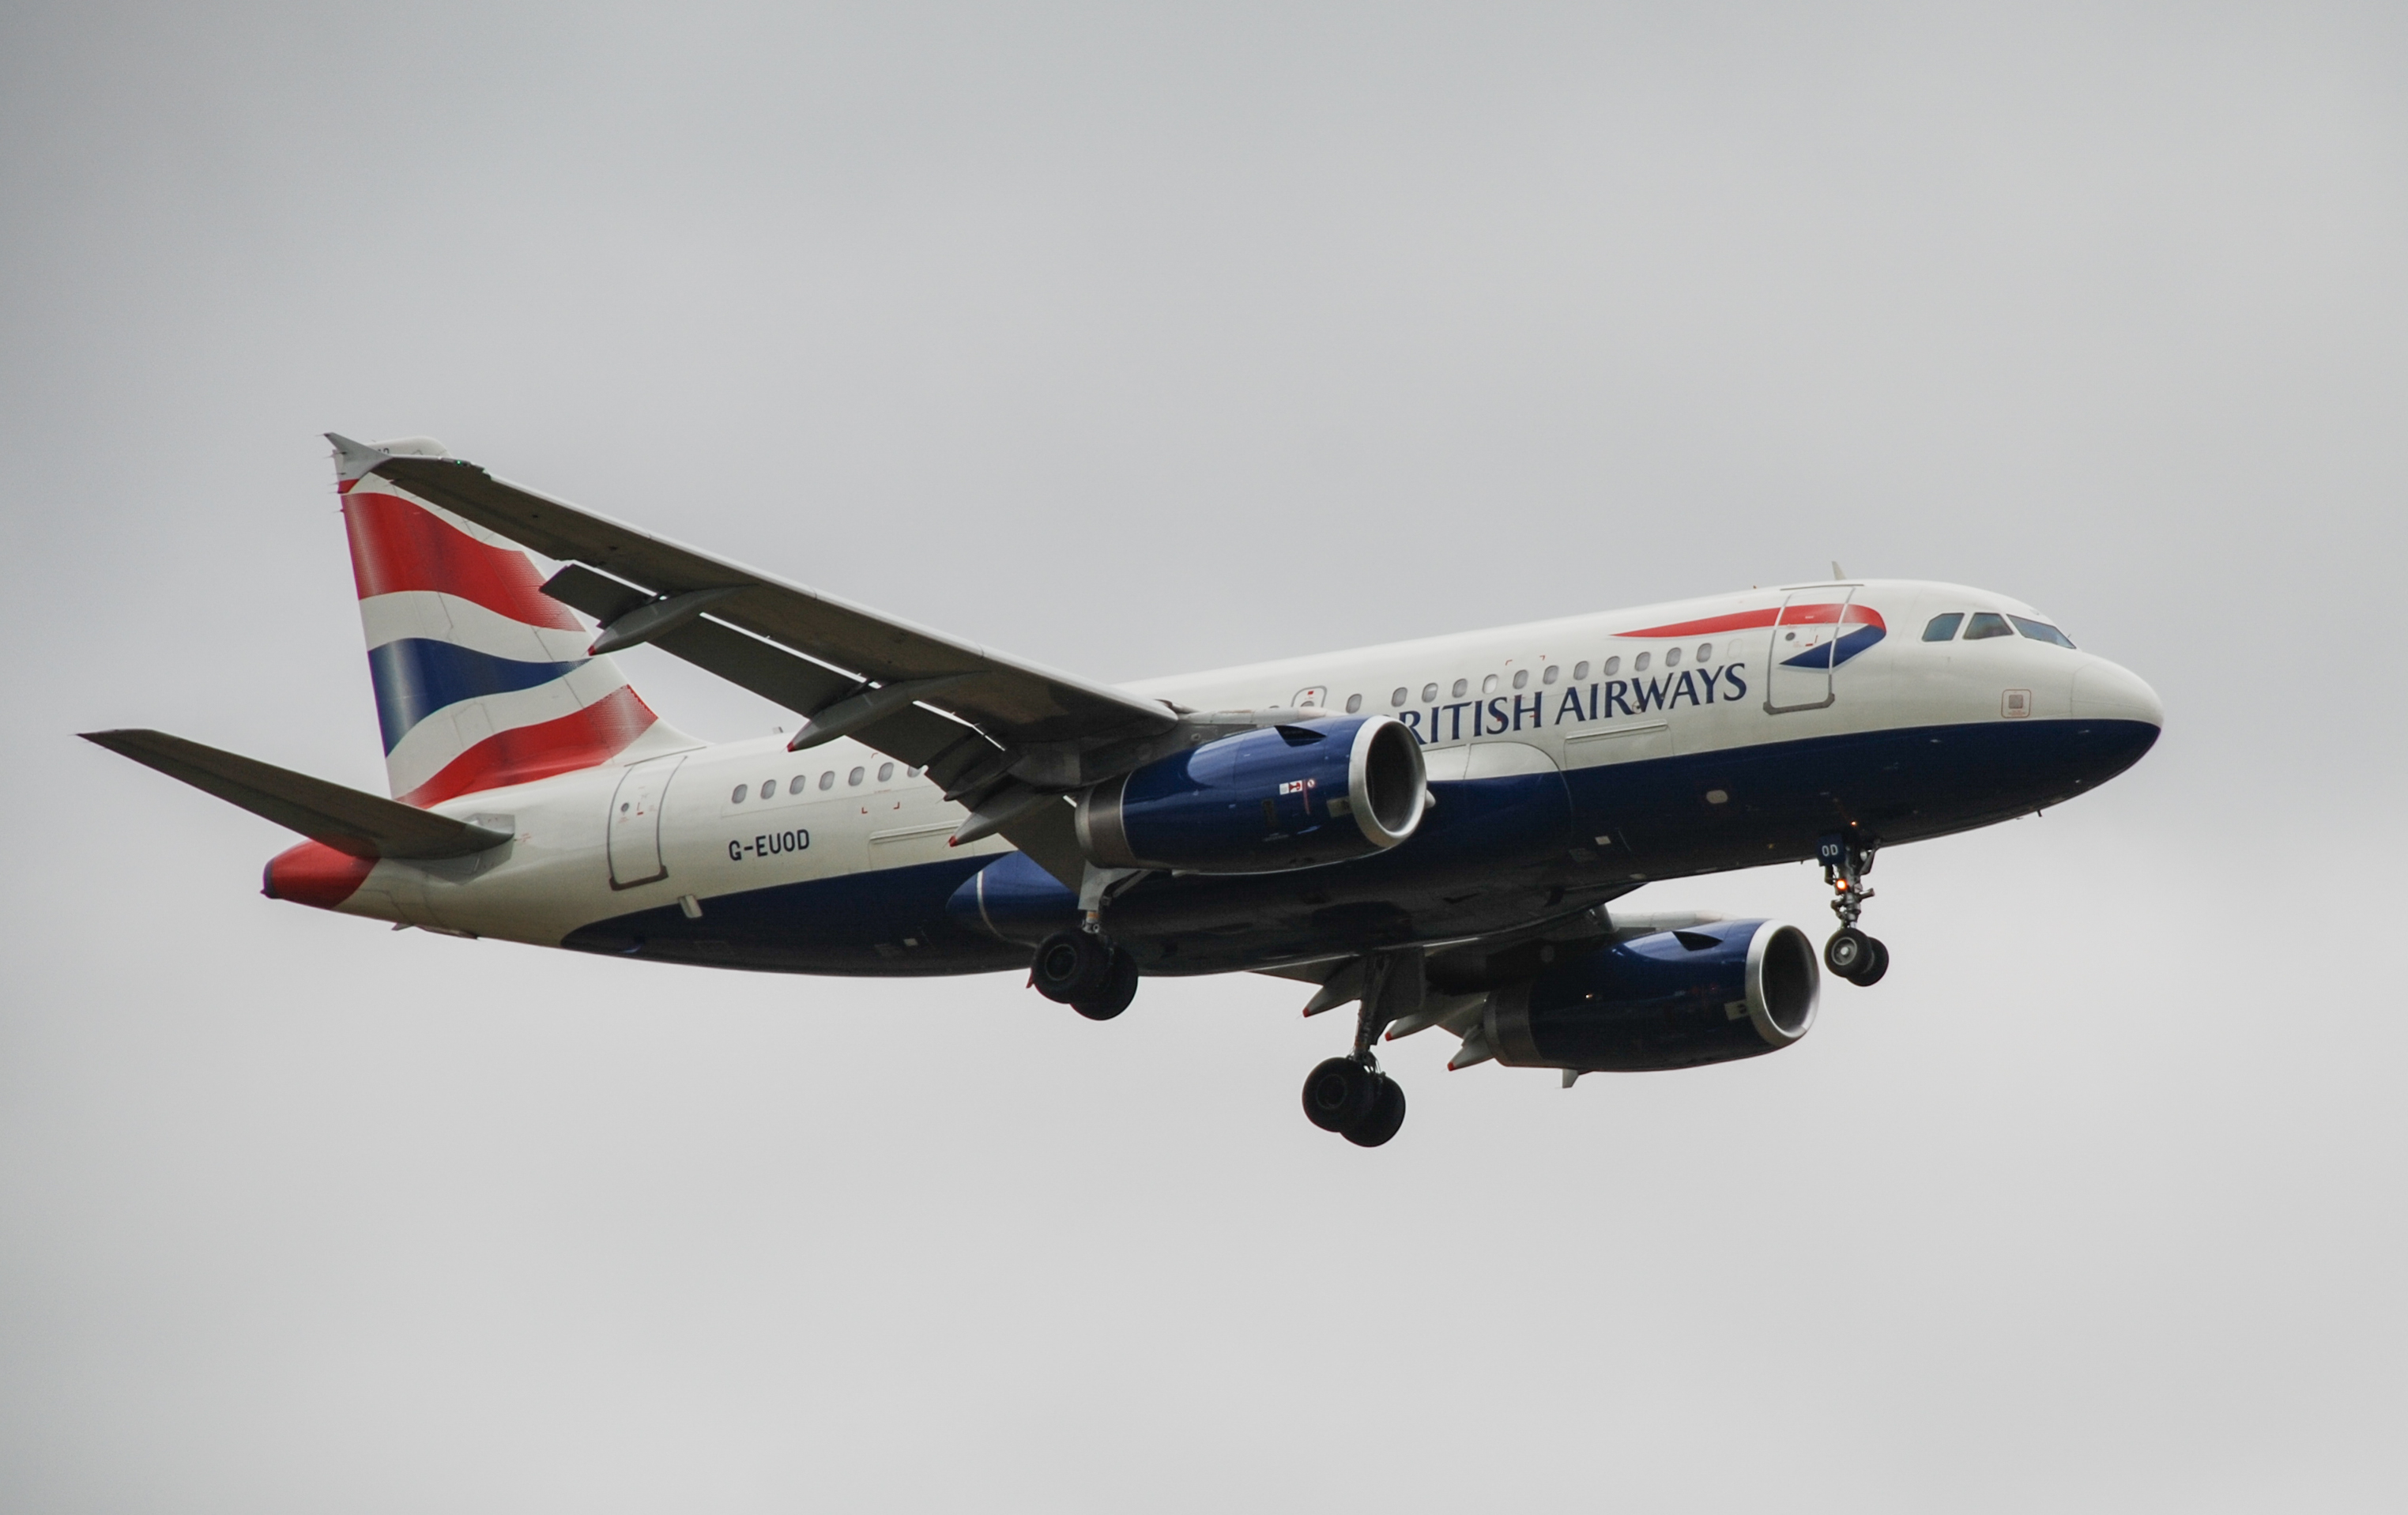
{"x": 1017, "y": 703}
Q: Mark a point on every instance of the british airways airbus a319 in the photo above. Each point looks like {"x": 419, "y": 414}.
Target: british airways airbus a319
{"x": 1434, "y": 831}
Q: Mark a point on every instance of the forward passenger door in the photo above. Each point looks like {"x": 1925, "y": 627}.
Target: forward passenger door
{"x": 1805, "y": 639}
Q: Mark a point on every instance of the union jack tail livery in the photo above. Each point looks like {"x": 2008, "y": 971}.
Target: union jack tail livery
{"x": 482, "y": 680}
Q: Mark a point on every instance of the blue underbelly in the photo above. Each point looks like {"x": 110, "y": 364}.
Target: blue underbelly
{"x": 1496, "y": 853}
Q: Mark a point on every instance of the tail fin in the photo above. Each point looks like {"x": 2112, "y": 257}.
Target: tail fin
{"x": 482, "y": 680}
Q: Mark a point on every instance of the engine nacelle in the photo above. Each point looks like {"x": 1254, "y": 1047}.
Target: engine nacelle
{"x": 1673, "y": 999}
{"x": 1277, "y": 797}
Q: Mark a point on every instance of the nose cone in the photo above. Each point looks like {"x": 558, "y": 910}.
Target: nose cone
{"x": 2103, "y": 691}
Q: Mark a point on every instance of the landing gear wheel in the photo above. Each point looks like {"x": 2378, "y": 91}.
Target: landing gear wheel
{"x": 1117, "y": 992}
{"x": 1341, "y": 1093}
{"x": 1874, "y": 967}
{"x": 1849, "y": 952}
{"x": 1387, "y": 1114}
{"x": 1071, "y": 966}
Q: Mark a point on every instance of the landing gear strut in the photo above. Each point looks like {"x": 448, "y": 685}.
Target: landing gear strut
{"x": 1078, "y": 969}
{"x": 1852, "y": 955}
{"x": 1349, "y": 1094}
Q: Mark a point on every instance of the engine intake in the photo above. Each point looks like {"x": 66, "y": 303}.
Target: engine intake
{"x": 1673, "y": 999}
{"x": 1279, "y": 797}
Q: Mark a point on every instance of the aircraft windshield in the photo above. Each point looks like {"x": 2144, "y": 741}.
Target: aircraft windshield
{"x": 2041, "y": 631}
{"x": 1987, "y": 624}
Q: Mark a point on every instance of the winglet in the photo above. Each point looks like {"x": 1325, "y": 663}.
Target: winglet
{"x": 355, "y": 461}
{"x": 352, "y": 460}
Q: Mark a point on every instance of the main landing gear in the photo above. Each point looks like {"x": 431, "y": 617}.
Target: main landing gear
{"x": 1851, "y": 954}
{"x": 1354, "y": 1099}
{"x": 1349, "y": 1094}
{"x": 1081, "y": 969}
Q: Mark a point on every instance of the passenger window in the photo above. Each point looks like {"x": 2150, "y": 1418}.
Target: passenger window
{"x": 1521, "y": 678}
{"x": 769, "y": 789}
{"x": 1461, "y": 685}
{"x": 1398, "y": 698}
{"x": 1943, "y": 628}
{"x": 1488, "y": 685}
{"x": 1580, "y": 671}
{"x": 2041, "y": 631}
{"x": 1639, "y": 664}
{"x": 798, "y": 783}
{"x": 827, "y": 780}
{"x": 855, "y": 777}
{"x": 1354, "y": 703}
{"x": 1672, "y": 657}
{"x": 1429, "y": 693}
{"x": 1986, "y": 623}
{"x": 911, "y": 773}
{"x": 1612, "y": 666}
{"x": 1553, "y": 673}
{"x": 885, "y": 772}
{"x": 742, "y": 791}
{"x": 1705, "y": 651}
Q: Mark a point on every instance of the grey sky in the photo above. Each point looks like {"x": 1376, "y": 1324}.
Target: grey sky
{"x": 1138, "y": 340}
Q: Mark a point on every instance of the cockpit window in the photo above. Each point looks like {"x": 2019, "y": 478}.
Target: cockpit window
{"x": 1944, "y": 627}
{"x": 2041, "y": 631}
{"x": 1987, "y": 624}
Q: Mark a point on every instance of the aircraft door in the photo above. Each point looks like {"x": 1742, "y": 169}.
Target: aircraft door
{"x": 1805, "y": 639}
{"x": 636, "y": 822}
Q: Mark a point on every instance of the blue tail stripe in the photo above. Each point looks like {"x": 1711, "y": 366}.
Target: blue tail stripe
{"x": 416, "y": 676}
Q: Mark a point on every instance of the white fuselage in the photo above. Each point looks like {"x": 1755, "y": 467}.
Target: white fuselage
{"x": 738, "y": 817}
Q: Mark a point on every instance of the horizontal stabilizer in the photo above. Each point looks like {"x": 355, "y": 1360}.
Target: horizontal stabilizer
{"x": 346, "y": 819}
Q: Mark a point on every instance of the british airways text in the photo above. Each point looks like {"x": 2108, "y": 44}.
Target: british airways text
{"x": 1601, "y": 700}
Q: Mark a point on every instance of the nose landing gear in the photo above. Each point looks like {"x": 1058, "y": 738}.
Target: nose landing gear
{"x": 1851, "y": 954}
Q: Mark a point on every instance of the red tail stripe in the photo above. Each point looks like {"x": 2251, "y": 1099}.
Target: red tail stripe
{"x": 1799, "y": 615}
{"x": 587, "y": 739}
{"x": 397, "y": 546}
{"x": 315, "y": 874}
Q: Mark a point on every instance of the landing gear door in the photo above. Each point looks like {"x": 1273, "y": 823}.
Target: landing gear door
{"x": 1805, "y": 639}
{"x": 636, "y": 822}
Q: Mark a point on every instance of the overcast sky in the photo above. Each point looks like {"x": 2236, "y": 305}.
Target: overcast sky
{"x": 1141, "y": 340}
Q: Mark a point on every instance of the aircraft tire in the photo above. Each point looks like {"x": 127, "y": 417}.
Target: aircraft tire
{"x": 1340, "y": 1092}
{"x": 1874, "y": 966}
{"x": 1387, "y": 1115}
{"x": 1069, "y": 966}
{"x": 1847, "y": 952}
{"x": 1117, "y": 992}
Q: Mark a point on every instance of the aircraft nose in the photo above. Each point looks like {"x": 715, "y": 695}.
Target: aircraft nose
{"x": 2104, "y": 691}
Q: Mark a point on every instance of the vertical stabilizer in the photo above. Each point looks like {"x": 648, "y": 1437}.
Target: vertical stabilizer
{"x": 482, "y": 680}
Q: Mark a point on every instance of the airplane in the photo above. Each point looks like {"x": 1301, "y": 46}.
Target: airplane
{"x": 1435, "y": 832}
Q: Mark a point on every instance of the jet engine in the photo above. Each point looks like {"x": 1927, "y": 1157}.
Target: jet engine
{"x": 1671, "y": 999}
{"x": 1276, "y": 798}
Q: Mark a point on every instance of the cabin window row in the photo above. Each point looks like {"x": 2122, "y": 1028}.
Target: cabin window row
{"x": 827, "y": 780}
{"x": 1553, "y": 673}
